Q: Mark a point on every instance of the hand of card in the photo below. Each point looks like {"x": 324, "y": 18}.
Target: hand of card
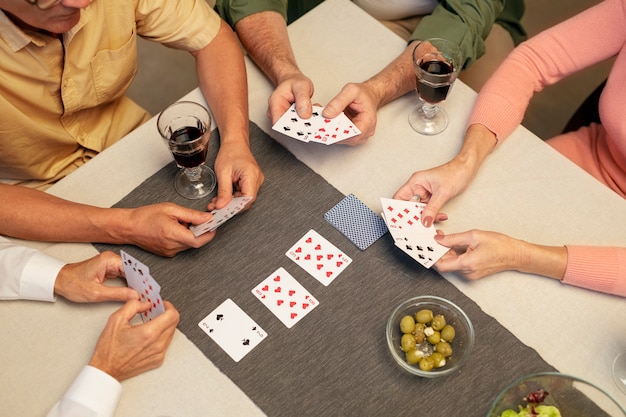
{"x": 404, "y": 220}
{"x": 317, "y": 128}
{"x": 138, "y": 278}
{"x": 220, "y": 216}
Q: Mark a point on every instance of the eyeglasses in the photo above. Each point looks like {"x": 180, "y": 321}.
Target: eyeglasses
{"x": 44, "y": 4}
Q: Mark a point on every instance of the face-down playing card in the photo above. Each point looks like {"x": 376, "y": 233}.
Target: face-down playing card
{"x": 220, "y": 216}
{"x": 138, "y": 278}
{"x": 285, "y": 297}
{"x": 404, "y": 220}
{"x": 320, "y": 258}
{"x": 232, "y": 329}
{"x": 356, "y": 221}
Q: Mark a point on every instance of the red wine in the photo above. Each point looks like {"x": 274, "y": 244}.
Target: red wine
{"x": 190, "y": 156}
{"x": 434, "y": 89}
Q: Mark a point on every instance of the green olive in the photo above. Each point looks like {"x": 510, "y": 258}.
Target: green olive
{"x": 448, "y": 333}
{"x": 424, "y": 316}
{"x": 438, "y": 359}
{"x": 418, "y": 332}
{"x": 407, "y": 342}
{"x": 434, "y": 338}
{"x": 413, "y": 356}
{"x": 439, "y": 322}
{"x": 407, "y": 324}
{"x": 427, "y": 363}
{"x": 444, "y": 348}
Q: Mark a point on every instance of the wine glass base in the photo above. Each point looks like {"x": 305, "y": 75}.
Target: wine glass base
{"x": 428, "y": 125}
{"x": 198, "y": 188}
{"x": 619, "y": 371}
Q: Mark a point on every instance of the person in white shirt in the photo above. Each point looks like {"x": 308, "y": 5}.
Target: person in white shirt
{"x": 122, "y": 351}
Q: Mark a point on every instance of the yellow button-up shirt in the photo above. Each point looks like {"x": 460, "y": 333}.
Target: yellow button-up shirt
{"x": 62, "y": 100}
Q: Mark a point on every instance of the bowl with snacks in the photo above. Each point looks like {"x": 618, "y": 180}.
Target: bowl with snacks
{"x": 554, "y": 394}
{"x": 429, "y": 336}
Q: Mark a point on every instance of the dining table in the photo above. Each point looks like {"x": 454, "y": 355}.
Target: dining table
{"x": 335, "y": 361}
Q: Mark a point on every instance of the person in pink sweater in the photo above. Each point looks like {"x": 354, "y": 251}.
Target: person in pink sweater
{"x": 596, "y": 34}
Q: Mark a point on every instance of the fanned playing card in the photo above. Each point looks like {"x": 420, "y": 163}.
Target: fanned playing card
{"x": 285, "y": 297}
{"x": 233, "y": 330}
{"x": 356, "y": 221}
{"x": 404, "y": 220}
{"x": 317, "y": 128}
{"x": 320, "y": 258}
{"x": 221, "y": 216}
{"x": 138, "y": 278}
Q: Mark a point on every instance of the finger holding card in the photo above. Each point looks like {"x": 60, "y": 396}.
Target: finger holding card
{"x": 138, "y": 278}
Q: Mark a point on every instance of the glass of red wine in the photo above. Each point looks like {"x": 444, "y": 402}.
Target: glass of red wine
{"x": 186, "y": 127}
{"x": 436, "y": 63}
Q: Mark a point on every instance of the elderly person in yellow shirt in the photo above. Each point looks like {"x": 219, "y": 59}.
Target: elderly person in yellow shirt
{"x": 65, "y": 66}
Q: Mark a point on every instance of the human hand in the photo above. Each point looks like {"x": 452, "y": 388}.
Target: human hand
{"x": 435, "y": 187}
{"x": 124, "y": 350}
{"x": 237, "y": 171}
{"x": 296, "y": 88}
{"x": 358, "y": 101}
{"x": 83, "y": 282}
{"x": 476, "y": 253}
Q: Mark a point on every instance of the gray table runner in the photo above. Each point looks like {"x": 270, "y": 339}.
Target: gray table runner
{"x": 335, "y": 361}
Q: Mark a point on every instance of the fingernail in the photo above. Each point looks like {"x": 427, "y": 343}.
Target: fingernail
{"x": 428, "y": 221}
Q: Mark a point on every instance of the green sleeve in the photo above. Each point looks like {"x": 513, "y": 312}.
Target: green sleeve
{"x": 232, "y": 11}
{"x": 467, "y": 23}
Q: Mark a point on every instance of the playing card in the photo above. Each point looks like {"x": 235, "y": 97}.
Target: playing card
{"x": 285, "y": 297}
{"x": 138, "y": 278}
{"x": 335, "y": 130}
{"x": 320, "y": 258}
{"x": 294, "y": 126}
{"x": 221, "y": 216}
{"x": 404, "y": 220}
{"x": 232, "y": 329}
{"x": 356, "y": 221}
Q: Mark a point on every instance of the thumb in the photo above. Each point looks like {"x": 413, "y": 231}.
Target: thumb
{"x": 303, "y": 104}
{"x": 336, "y": 105}
{"x": 224, "y": 194}
{"x": 131, "y": 309}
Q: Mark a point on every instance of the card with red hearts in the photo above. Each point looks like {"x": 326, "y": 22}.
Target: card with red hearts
{"x": 285, "y": 297}
{"x": 320, "y": 258}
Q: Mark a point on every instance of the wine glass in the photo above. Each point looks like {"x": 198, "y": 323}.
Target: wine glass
{"x": 186, "y": 128}
{"x": 619, "y": 371}
{"x": 436, "y": 63}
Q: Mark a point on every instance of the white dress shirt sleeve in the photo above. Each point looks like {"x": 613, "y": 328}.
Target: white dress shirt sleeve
{"x": 93, "y": 393}
{"x": 26, "y": 273}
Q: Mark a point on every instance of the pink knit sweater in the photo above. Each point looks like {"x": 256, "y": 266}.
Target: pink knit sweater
{"x": 592, "y": 36}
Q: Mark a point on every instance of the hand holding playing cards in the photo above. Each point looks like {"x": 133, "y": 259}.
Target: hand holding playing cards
{"x": 83, "y": 282}
{"x": 124, "y": 350}
{"x": 477, "y": 254}
{"x": 359, "y": 103}
{"x": 162, "y": 228}
{"x": 236, "y": 167}
{"x": 295, "y": 88}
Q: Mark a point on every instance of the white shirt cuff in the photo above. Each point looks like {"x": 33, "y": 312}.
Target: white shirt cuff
{"x": 39, "y": 276}
{"x": 94, "y": 390}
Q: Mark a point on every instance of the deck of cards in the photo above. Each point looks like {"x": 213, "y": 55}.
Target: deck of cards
{"x": 404, "y": 221}
{"x": 317, "y": 128}
{"x": 220, "y": 216}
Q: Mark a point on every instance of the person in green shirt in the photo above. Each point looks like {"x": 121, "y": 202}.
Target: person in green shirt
{"x": 482, "y": 28}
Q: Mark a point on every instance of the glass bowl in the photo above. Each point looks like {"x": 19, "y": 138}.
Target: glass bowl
{"x": 572, "y": 396}
{"x": 462, "y": 343}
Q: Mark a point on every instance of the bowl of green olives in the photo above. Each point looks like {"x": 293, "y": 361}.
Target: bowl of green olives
{"x": 429, "y": 336}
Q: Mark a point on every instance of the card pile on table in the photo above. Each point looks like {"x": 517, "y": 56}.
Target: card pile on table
{"x": 404, "y": 220}
{"x": 317, "y": 128}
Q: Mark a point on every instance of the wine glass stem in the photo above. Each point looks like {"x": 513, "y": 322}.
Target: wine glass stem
{"x": 430, "y": 110}
{"x": 193, "y": 173}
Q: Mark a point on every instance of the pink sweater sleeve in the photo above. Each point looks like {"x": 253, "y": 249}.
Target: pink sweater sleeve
{"x": 564, "y": 49}
{"x": 597, "y": 268}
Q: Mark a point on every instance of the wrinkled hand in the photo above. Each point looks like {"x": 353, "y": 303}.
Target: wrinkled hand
{"x": 83, "y": 282}
{"x": 435, "y": 187}
{"x": 298, "y": 89}
{"x": 124, "y": 350}
{"x": 476, "y": 254}
{"x": 163, "y": 228}
{"x": 360, "y": 104}
{"x": 237, "y": 174}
